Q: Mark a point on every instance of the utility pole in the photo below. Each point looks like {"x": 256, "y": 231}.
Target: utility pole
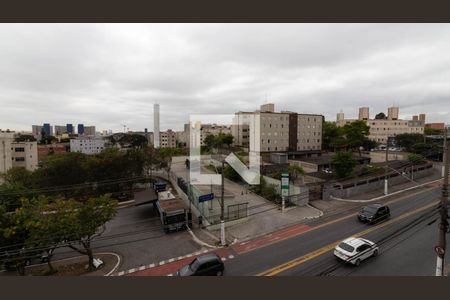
{"x": 444, "y": 153}
{"x": 386, "y": 170}
{"x": 222, "y": 209}
{"x": 443, "y": 225}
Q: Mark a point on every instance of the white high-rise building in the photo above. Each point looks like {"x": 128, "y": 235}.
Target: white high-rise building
{"x": 156, "y": 134}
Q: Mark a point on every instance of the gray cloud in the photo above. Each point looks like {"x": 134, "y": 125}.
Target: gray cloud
{"x": 112, "y": 74}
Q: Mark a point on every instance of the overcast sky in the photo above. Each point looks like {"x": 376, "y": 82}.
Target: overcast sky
{"x": 112, "y": 74}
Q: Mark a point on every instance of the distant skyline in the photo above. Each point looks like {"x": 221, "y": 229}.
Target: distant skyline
{"x": 108, "y": 75}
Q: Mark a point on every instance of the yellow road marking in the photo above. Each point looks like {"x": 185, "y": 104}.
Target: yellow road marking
{"x": 297, "y": 261}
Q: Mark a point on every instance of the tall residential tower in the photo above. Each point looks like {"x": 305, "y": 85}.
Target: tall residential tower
{"x": 156, "y": 141}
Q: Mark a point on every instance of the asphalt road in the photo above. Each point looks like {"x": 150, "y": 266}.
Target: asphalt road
{"x": 402, "y": 252}
{"x": 136, "y": 234}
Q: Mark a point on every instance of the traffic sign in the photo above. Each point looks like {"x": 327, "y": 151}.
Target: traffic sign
{"x": 439, "y": 250}
{"x": 285, "y": 184}
{"x": 207, "y": 197}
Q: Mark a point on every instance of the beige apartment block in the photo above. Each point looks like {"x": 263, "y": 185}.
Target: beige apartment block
{"x": 381, "y": 129}
{"x": 205, "y": 129}
{"x": 25, "y": 154}
{"x": 6, "y": 139}
{"x": 279, "y": 131}
{"x": 17, "y": 154}
{"x": 309, "y": 132}
{"x": 274, "y": 129}
{"x": 168, "y": 139}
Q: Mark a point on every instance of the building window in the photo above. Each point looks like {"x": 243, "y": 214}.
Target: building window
{"x": 20, "y": 149}
{"x": 20, "y": 158}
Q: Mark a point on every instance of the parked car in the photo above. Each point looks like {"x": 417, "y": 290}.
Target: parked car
{"x": 355, "y": 250}
{"x": 205, "y": 265}
{"x": 327, "y": 170}
{"x": 374, "y": 213}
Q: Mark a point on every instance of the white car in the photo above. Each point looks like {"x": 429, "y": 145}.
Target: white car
{"x": 355, "y": 250}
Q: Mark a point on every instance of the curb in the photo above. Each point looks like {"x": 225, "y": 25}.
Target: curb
{"x": 384, "y": 196}
{"x": 198, "y": 241}
{"x": 163, "y": 262}
{"x": 125, "y": 204}
{"x": 314, "y": 217}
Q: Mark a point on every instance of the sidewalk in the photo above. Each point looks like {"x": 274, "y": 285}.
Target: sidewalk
{"x": 74, "y": 266}
{"x": 268, "y": 219}
{"x": 395, "y": 188}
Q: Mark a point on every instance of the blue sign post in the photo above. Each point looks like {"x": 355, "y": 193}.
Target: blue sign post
{"x": 207, "y": 197}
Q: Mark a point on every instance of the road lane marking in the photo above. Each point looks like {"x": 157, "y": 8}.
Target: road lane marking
{"x": 312, "y": 228}
{"x": 302, "y": 259}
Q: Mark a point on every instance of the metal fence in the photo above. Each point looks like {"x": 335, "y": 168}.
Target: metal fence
{"x": 237, "y": 211}
{"x": 300, "y": 199}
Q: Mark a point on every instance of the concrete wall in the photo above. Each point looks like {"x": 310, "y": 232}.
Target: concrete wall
{"x": 369, "y": 186}
{"x": 308, "y": 167}
{"x": 380, "y": 156}
{"x": 293, "y": 190}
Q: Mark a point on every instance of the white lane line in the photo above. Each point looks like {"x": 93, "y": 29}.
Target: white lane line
{"x": 121, "y": 273}
{"x": 231, "y": 256}
{"x": 151, "y": 265}
{"x": 205, "y": 251}
{"x": 162, "y": 262}
{"x": 180, "y": 257}
{"x": 171, "y": 260}
{"x": 132, "y": 270}
{"x": 141, "y": 268}
{"x": 189, "y": 255}
{"x": 224, "y": 258}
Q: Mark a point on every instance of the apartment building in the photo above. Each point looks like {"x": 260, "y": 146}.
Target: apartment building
{"x": 6, "y": 140}
{"x": 381, "y": 129}
{"x": 183, "y": 137}
{"x": 89, "y": 130}
{"x": 87, "y": 145}
{"x": 36, "y": 130}
{"x": 24, "y": 154}
{"x": 17, "y": 154}
{"x": 168, "y": 139}
{"x": 278, "y": 131}
{"x": 437, "y": 126}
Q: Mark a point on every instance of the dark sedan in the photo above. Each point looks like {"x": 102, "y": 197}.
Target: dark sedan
{"x": 374, "y": 213}
{"x": 205, "y": 265}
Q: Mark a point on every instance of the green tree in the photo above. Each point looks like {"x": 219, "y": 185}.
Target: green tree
{"x": 276, "y": 175}
{"x": 266, "y": 190}
{"x": 19, "y": 176}
{"x": 428, "y": 150}
{"x": 380, "y": 116}
{"x": 408, "y": 140}
{"x": 210, "y": 141}
{"x": 25, "y": 138}
{"x": 14, "y": 235}
{"x": 47, "y": 225}
{"x": 133, "y": 141}
{"x": 416, "y": 159}
{"x": 295, "y": 170}
{"x": 356, "y": 134}
{"x": 432, "y": 131}
{"x": 86, "y": 220}
{"x": 343, "y": 164}
{"x": 330, "y": 133}
{"x": 68, "y": 170}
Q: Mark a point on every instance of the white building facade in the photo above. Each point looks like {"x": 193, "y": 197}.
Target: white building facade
{"x": 87, "y": 145}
